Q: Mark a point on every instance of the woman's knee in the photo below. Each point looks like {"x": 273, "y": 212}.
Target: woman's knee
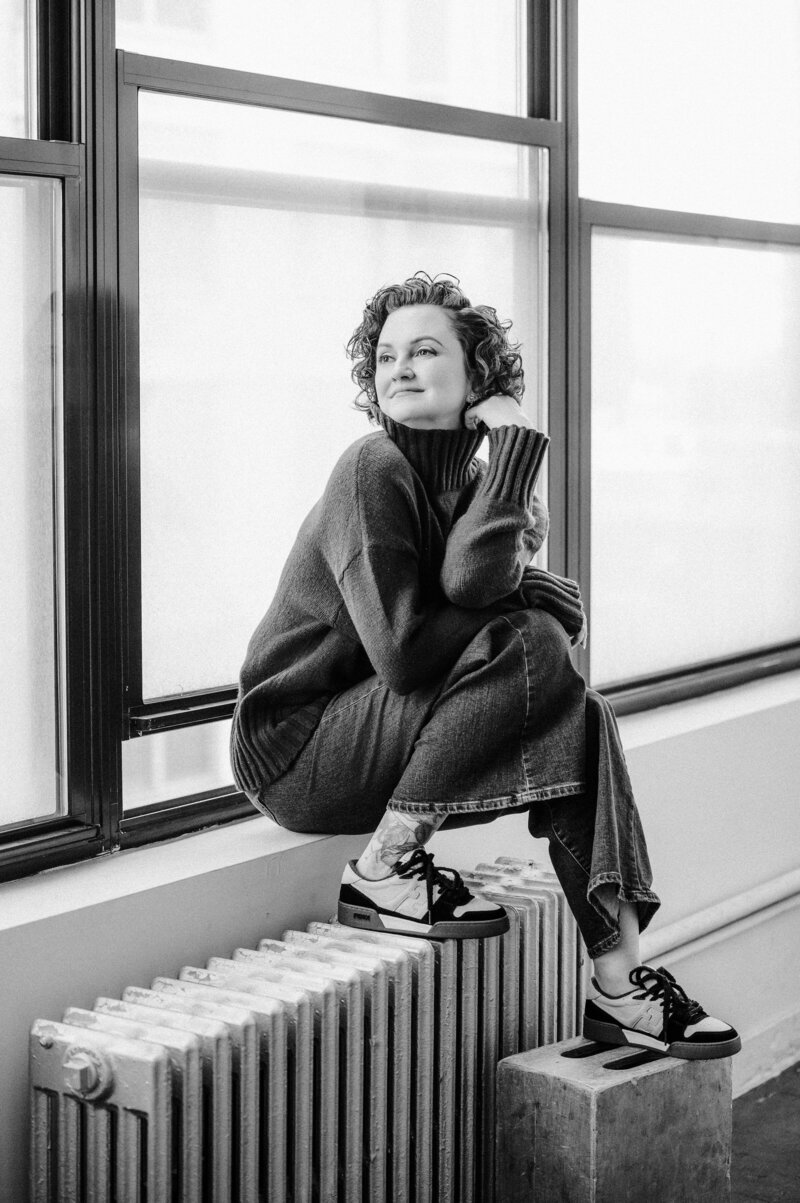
{"x": 518, "y": 661}
{"x": 505, "y": 635}
{"x": 548, "y": 662}
{"x": 542, "y": 629}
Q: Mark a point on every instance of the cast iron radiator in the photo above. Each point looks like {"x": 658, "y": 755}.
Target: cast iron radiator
{"x": 334, "y": 1065}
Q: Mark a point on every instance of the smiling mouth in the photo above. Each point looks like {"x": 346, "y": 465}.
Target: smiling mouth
{"x": 399, "y": 392}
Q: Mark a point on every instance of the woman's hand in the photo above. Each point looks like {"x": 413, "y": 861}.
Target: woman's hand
{"x": 498, "y": 410}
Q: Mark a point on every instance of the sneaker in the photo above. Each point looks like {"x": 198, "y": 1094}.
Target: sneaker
{"x": 659, "y": 1015}
{"x": 418, "y": 899}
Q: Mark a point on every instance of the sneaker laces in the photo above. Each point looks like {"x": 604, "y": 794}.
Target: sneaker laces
{"x": 659, "y": 984}
{"x": 420, "y": 864}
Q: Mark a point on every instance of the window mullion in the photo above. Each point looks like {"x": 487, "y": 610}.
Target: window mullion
{"x": 108, "y": 477}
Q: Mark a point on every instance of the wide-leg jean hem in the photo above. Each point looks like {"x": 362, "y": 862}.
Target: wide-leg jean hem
{"x": 509, "y": 802}
{"x": 647, "y": 903}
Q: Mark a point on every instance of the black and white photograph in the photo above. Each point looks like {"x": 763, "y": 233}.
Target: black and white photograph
{"x": 400, "y": 601}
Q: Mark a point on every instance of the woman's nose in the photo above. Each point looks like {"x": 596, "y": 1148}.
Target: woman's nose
{"x": 403, "y": 368}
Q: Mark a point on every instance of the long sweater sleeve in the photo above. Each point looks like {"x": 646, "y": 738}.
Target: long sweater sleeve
{"x": 408, "y": 642}
{"x": 503, "y": 526}
{"x": 409, "y": 638}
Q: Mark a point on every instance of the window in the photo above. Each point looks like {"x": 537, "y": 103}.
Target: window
{"x": 32, "y": 747}
{"x": 282, "y": 220}
{"x": 690, "y": 283}
{"x": 695, "y": 450}
{"x": 691, "y": 106}
{"x": 48, "y": 810}
{"x": 298, "y": 215}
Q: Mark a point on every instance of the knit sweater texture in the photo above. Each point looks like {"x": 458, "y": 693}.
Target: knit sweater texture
{"x": 413, "y": 547}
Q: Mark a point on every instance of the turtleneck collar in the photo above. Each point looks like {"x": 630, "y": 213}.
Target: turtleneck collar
{"x": 442, "y": 458}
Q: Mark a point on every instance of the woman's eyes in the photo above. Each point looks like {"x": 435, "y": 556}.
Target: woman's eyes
{"x": 384, "y": 357}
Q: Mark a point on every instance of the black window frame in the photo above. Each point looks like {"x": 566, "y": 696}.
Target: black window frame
{"x": 57, "y": 153}
{"x": 30, "y": 844}
{"x": 697, "y": 679}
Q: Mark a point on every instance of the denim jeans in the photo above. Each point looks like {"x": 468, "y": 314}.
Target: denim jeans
{"x": 512, "y": 727}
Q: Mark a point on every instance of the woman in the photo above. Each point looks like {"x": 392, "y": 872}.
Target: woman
{"x": 414, "y": 670}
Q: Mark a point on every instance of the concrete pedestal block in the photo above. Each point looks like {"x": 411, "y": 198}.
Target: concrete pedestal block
{"x": 572, "y": 1131}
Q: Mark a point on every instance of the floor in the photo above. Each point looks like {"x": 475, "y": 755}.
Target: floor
{"x": 766, "y": 1142}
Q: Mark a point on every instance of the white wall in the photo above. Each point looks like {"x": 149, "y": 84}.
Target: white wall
{"x": 717, "y": 786}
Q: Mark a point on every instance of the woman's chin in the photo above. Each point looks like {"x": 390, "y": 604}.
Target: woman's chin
{"x": 414, "y": 417}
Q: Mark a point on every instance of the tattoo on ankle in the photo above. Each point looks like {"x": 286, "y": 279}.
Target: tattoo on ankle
{"x": 399, "y": 837}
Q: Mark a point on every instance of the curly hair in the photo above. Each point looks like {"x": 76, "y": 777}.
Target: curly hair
{"x": 493, "y": 362}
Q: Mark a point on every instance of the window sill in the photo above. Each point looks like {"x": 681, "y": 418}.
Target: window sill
{"x": 693, "y": 714}
{"x": 71, "y": 888}
{"x": 136, "y": 870}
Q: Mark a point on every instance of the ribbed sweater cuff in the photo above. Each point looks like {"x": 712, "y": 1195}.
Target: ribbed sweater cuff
{"x": 515, "y": 459}
{"x": 542, "y": 578}
{"x": 560, "y": 605}
{"x": 264, "y": 743}
{"x": 558, "y": 595}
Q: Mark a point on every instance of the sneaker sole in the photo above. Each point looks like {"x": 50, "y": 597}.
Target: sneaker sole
{"x": 612, "y": 1033}
{"x": 461, "y": 929}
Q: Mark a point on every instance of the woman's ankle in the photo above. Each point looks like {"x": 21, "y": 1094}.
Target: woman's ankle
{"x": 613, "y": 981}
{"x": 613, "y": 968}
{"x": 397, "y": 835}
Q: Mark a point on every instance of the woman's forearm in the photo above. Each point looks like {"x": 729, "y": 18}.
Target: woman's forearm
{"x": 504, "y": 525}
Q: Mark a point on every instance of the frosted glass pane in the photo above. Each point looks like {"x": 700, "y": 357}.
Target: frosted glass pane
{"x": 261, "y": 235}
{"x": 176, "y": 764}
{"x": 687, "y": 105}
{"x": 16, "y": 76}
{"x": 30, "y": 501}
{"x": 695, "y": 451}
{"x": 468, "y": 53}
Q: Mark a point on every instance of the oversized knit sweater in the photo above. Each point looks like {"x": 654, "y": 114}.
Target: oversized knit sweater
{"x": 412, "y": 548}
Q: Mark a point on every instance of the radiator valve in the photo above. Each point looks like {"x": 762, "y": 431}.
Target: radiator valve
{"x": 87, "y": 1073}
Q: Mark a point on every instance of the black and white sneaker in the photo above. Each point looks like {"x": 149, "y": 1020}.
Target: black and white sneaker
{"x": 418, "y": 899}
{"x": 659, "y": 1015}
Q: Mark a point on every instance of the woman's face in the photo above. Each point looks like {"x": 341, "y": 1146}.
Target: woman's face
{"x": 420, "y": 370}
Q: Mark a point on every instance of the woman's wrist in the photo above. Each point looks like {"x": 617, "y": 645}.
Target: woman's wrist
{"x": 515, "y": 458}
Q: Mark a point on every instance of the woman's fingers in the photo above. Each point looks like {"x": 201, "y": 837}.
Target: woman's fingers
{"x": 497, "y": 410}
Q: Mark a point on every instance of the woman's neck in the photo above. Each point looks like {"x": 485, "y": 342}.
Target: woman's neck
{"x": 443, "y": 458}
